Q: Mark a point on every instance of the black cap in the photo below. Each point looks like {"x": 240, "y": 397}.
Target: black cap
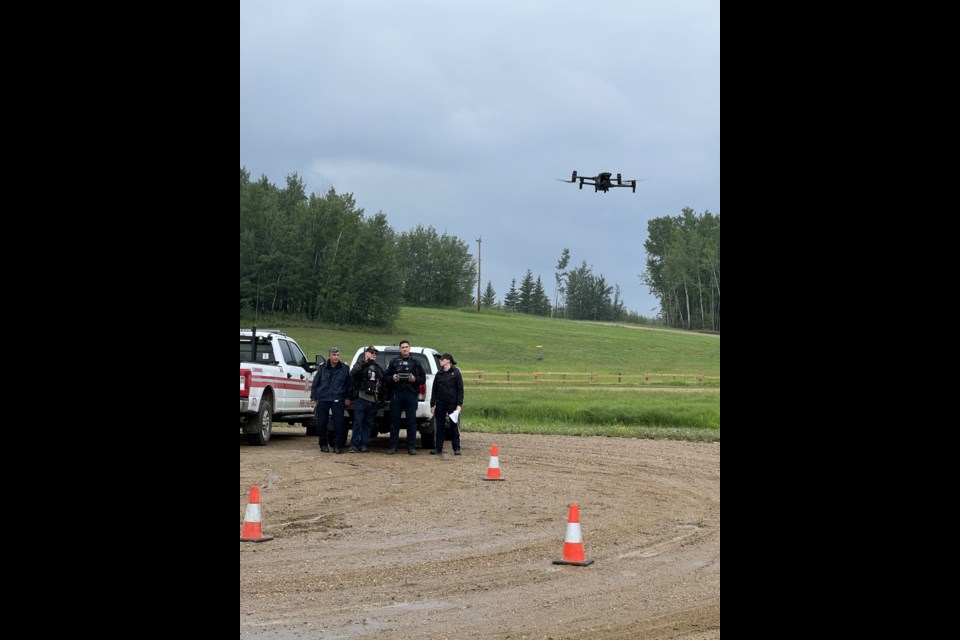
{"x": 447, "y": 356}
{"x": 371, "y": 349}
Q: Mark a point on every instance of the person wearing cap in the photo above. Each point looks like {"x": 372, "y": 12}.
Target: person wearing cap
{"x": 406, "y": 376}
{"x": 447, "y": 400}
{"x": 368, "y": 381}
{"x": 330, "y": 393}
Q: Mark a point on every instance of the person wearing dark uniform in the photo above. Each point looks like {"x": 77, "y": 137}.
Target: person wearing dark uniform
{"x": 368, "y": 383}
{"x": 407, "y": 375}
{"x": 331, "y": 391}
{"x": 447, "y": 400}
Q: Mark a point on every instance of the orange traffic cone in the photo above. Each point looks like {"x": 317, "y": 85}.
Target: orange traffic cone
{"x": 573, "y": 544}
{"x": 493, "y": 471}
{"x": 251, "y": 521}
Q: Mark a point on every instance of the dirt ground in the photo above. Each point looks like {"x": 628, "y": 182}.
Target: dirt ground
{"x": 378, "y": 546}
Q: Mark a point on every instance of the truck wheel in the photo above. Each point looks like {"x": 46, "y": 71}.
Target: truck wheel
{"x": 311, "y": 426}
{"x": 428, "y": 440}
{"x": 265, "y": 421}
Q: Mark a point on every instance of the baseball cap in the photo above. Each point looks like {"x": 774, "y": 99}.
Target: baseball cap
{"x": 371, "y": 349}
{"x": 447, "y": 356}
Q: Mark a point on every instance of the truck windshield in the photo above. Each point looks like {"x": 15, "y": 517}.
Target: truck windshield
{"x": 384, "y": 358}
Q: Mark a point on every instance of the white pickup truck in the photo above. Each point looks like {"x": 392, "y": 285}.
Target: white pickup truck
{"x": 275, "y": 379}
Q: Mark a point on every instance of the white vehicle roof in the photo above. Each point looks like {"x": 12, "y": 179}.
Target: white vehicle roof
{"x": 391, "y": 350}
{"x": 394, "y": 347}
{"x": 262, "y": 332}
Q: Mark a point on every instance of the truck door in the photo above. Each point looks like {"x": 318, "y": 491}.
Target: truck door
{"x": 296, "y": 388}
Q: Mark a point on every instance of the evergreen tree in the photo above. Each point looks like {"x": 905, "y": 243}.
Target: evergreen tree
{"x": 512, "y": 300}
{"x": 525, "y": 304}
{"x": 540, "y": 301}
{"x": 489, "y": 299}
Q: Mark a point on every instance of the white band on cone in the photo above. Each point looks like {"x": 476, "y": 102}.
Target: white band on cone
{"x": 573, "y": 532}
{"x": 253, "y": 513}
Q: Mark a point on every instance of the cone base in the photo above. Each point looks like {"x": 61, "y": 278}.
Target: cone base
{"x": 585, "y": 563}
{"x": 263, "y": 539}
{"x": 494, "y": 478}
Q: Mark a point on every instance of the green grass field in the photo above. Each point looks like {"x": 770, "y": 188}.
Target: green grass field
{"x": 502, "y": 342}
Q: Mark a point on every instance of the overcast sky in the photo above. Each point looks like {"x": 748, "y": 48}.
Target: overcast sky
{"x": 462, "y": 115}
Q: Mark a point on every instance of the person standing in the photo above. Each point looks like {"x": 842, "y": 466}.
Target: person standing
{"x": 447, "y": 399}
{"x": 368, "y": 379}
{"x": 407, "y": 375}
{"x": 331, "y": 392}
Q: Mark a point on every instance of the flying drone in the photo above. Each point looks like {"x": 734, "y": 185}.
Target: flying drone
{"x": 603, "y": 182}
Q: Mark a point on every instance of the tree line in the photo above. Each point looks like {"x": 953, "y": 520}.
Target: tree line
{"x": 579, "y": 294}
{"x": 683, "y": 268}
{"x": 322, "y": 258}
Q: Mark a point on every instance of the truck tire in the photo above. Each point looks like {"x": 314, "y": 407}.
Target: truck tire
{"x": 428, "y": 440}
{"x": 265, "y": 422}
{"x": 311, "y": 426}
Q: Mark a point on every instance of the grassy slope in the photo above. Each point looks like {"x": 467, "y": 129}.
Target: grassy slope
{"x": 501, "y": 342}
{"x": 508, "y": 342}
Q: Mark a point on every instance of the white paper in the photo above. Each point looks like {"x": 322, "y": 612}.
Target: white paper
{"x": 455, "y": 417}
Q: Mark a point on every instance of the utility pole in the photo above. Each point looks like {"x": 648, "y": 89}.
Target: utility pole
{"x": 479, "y": 240}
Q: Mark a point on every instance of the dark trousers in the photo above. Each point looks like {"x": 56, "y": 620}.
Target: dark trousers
{"x": 403, "y": 400}
{"x": 364, "y": 412}
{"x": 325, "y": 410}
{"x": 446, "y": 429}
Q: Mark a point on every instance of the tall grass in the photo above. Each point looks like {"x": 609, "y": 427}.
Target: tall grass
{"x": 629, "y": 413}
